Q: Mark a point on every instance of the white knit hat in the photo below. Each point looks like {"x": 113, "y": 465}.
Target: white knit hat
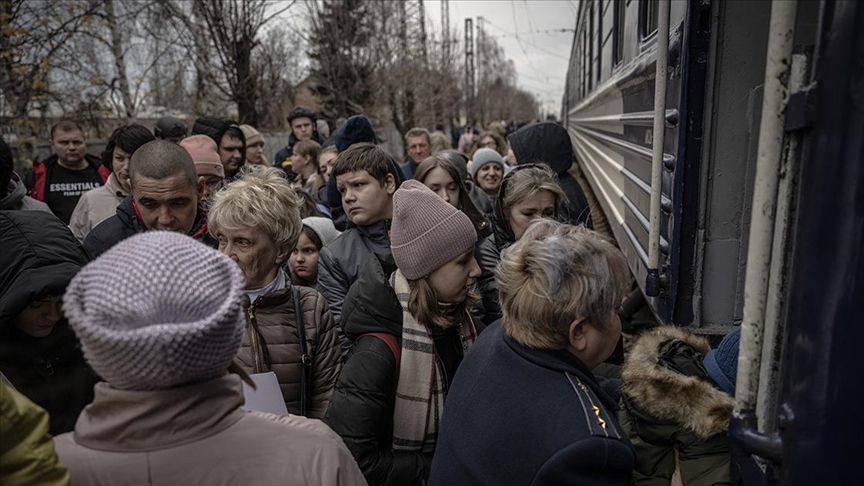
{"x": 323, "y": 227}
{"x": 157, "y": 310}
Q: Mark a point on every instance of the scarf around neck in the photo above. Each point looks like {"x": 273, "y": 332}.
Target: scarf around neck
{"x": 420, "y": 390}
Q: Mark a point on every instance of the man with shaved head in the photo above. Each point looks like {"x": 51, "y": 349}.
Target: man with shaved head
{"x": 164, "y": 196}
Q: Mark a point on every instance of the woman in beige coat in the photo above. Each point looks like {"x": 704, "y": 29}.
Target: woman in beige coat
{"x": 162, "y": 333}
{"x": 289, "y": 329}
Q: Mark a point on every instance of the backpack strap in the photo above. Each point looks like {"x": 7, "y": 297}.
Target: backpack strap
{"x": 305, "y": 358}
{"x": 395, "y": 348}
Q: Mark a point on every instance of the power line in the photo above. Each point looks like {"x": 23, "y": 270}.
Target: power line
{"x": 520, "y": 40}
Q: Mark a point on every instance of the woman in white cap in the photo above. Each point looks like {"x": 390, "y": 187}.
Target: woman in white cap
{"x": 163, "y": 334}
{"x": 411, "y": 329}
{"x": 289, "y": 329}
{"x": 316, "y": 233}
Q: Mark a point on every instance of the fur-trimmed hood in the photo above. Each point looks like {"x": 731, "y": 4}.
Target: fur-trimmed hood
{"x": 668, "y": 395}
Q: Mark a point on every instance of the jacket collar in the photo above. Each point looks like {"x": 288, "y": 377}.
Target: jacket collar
{"x": 113, "y": 185}
{"x": 140, "y": 421}
{"x": 15, "y": 194}
{"x": 130, "y": 216}
{"x": 563, "y": 361}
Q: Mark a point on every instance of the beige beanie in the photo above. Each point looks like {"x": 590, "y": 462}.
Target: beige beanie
{"x": 252, "y": 135}
{"x": 427, "y": 232}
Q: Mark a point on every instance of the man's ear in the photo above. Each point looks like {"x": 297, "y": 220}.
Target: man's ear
{"x": 576, "y": 335}
{"x": 201, "y": 184}
{"x": 390, "y": 184}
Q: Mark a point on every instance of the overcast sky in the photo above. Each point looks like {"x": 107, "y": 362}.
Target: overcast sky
{"x": 530, "y": 33}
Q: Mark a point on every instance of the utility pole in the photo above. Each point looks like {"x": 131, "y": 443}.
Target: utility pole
{"x": 469, "y": 69}
{"x": 445, "y": 30}
{"x": 482, "y": 74}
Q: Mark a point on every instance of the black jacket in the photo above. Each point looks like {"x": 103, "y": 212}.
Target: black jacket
{"x": 549, "y": 144}
{"x": 489, "y": 252}
{"x": 287, "y": 151}
{"x": 38, "y": 259}
{"x": 126, "y": 223}
{"x": 361, "y": 408}
{"x": 520, "y": 416}
{"x": 215, "y": 128}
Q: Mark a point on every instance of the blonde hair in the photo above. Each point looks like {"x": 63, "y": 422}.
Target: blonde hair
{"x": 554, "y": 274}
{"x": 262, "y": 197}
{"x": 526, "y": 181}
{"x": 423, "y": 304}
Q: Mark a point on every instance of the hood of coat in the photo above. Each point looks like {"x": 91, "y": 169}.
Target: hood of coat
{"x": 371, "y": 304}
{"x": 504, "y": 236}
{"x": 547, "y": 143}
{"x": 215, "y": 127}
{"x": 39, "y": 257}
{"x": 670, "y": 395}
{"x": 15, "y": 193}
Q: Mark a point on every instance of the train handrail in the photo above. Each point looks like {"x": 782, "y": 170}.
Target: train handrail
{"x": 762, "y": 222}
{"x": 652, "y": 281}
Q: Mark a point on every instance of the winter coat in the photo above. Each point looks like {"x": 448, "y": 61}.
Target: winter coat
{"x": 282, "y": 159}
{"x": 549, "y": 143}
{"x": 95, "y": 206}
{"x": 16, "y": 198}
{"x": 38, "y": 181}
{"x": 361, "y": 409}
{"x": 39, "y": 257}
{"x": 215, "y": 128}
{"x": 342, "y": 259}
{"x": 271, "y": 324}
{"x": 489, "y": 252}
{"x": 520, "y": 416}
{"x": 127, "y": 222}
{"x": 26, "y": 450}
{"x": 197, "y": 434}
{"x": 669, "y": 405}
{"x": 409, "y": 168}
{"x": 481, "y": 200}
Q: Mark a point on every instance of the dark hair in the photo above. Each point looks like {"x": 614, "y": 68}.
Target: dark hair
{"x": 127, "y": 138}
{"x": 500, "y": 143}
{"x": 466, "y": 205}
{"x": 6, "y": 166}
{"x": 65, "y": 126}
{"x": 313, "y": 237}
{"x": 307, "y": 206}
{"x": 368, "y": 157}
{"x": 235, "y": 132}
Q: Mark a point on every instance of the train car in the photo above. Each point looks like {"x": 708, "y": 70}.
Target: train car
{"x": 736, "y": 194}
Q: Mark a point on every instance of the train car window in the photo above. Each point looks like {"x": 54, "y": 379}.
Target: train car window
{"x": 619, "y": 32}
{"x": 648, "y": 17}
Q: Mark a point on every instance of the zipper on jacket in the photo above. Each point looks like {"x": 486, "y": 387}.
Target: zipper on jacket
{"x": 595, "y": 410}
{"x": 252, "y": 328}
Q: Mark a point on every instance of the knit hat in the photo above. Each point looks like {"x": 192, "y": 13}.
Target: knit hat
{"x": 356, "y": 129}
{"x": 205, "y": 155}
{"x": 157, "y": 310}
{"x": 253, "y": 136}
{"x": 721, "y": 363}
{"x": 485, "y": 156}
{"x": 427, "y": 232}
{"x": 323, "y": 227}
{"x": 170, "y": 127}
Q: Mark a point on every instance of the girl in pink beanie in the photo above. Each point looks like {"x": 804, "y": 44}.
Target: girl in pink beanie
{"x": 408, "y": 317}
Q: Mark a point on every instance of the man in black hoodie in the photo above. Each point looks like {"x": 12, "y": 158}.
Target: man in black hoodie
{"x": 549, "y": 144}
{"x": 303, "y": 127}
{"x": 230, "y": 141}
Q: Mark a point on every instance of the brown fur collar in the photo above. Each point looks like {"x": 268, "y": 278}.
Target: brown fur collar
{"x": 670, "y": 396}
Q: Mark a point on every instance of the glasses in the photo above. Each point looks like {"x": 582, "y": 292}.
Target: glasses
{"x": 490, "y": 144}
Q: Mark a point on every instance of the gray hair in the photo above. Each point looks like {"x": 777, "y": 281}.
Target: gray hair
{"x": 419, "y": 132}
{"x": 261, "y": 197}
{"x": 554, "y": 274}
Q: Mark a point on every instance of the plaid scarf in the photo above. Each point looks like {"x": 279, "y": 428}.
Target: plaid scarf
{"x": 420, "y": 390}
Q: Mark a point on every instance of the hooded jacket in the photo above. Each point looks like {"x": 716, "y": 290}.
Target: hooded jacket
{"x": 489, "y": 251}
{"x": 38, "y": 259}
{"x": 670, "y": 405}
{"x": 549, "y": 143}
{"x": 271, "y": 325}
{"x": 197, "y": 434}
{"x": 361, "y": 408}
{"x": 215, "y": 128}
{"x": 519, "y": 416}
{"x": 16, "y": 198}
{"x": 127, "y": 222}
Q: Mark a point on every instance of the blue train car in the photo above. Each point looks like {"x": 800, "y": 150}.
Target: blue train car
{"x": 761, "y": 199}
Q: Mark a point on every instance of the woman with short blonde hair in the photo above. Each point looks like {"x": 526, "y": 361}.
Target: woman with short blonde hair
{"x": 560, "y": 289}
{"x": 289, "y": 329}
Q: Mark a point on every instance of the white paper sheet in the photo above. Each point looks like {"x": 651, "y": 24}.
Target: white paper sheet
{"x": 267, "y": 397}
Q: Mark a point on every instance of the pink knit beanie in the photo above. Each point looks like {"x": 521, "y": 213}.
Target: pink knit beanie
{"x": 427, "y": 232}
{"x": 205, "y": 155}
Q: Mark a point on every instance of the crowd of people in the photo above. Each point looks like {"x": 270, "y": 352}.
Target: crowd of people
{"x": 437, "y": 321}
